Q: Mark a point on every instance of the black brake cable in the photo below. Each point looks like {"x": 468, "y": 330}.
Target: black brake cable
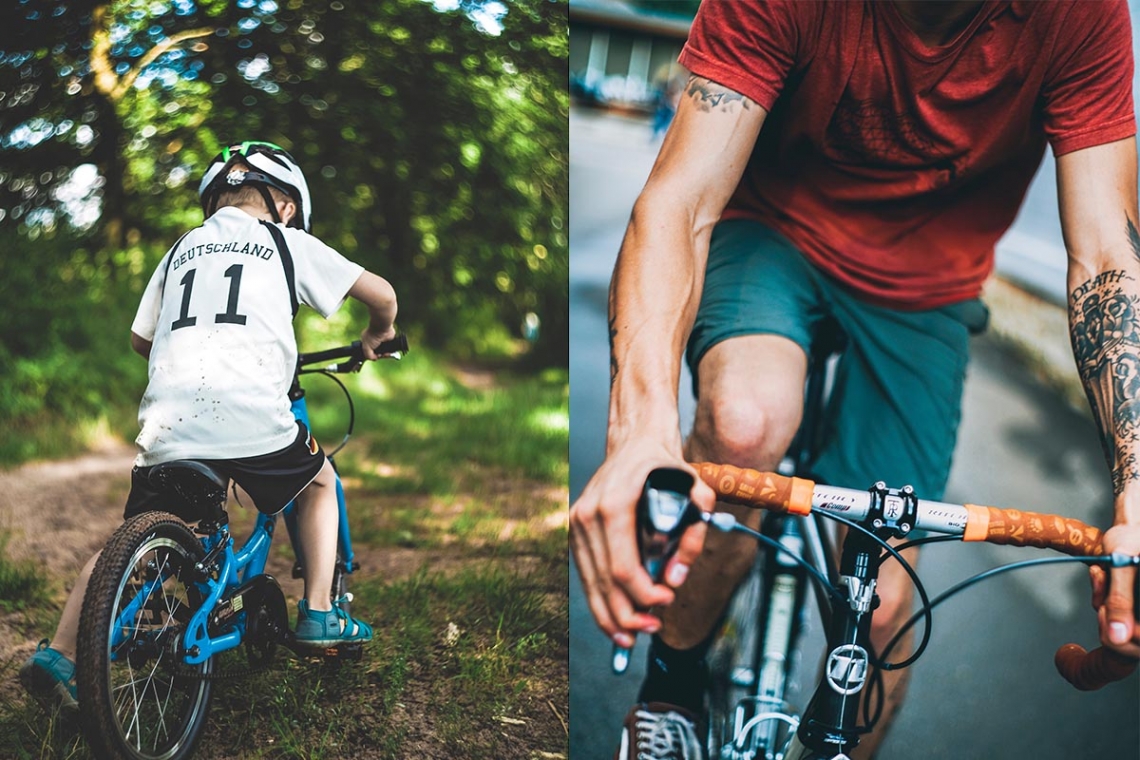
{"x": 821, "y": 580}
{"x": 351, "y": 411}
{"x": 833, "y": 593}
{"x": 351, "y": 407}
{"x": 946, "y": 595}
{"x": 877, "y": 686}
{"x": 926, "y": 540}
{"x": 983, "y": 576}
{"x": 921, "y": 589}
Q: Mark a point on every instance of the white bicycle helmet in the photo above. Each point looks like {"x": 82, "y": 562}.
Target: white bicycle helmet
{"x": 271, "y": 165}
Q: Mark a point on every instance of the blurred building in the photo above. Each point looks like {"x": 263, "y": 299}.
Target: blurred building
{"x": 622, "y": 56}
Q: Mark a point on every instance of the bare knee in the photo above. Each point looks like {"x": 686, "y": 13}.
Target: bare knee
{"x": 751, "y": 401}
{"x": 747, "y": 432}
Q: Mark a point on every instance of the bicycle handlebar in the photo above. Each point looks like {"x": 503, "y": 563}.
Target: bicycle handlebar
{"x": 780, "y": 493}
{"x": 1086, "y": 671}
{"x": 1089, "y": 671}
{"x": 354, "y": 352}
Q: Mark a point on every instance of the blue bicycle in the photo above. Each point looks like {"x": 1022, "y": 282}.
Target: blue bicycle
{"x": 165, "y": 600}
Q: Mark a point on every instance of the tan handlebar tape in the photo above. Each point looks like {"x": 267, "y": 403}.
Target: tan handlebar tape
{"x": 753, "y": 488}
{"x": 1089, "y": 671}
{"x": 1012, "y": 526}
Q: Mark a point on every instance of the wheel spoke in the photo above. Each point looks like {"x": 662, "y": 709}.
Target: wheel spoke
{"x": 150, "y": 708}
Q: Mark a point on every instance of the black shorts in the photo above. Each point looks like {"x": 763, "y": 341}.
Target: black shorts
{"x": 271, "y": 480}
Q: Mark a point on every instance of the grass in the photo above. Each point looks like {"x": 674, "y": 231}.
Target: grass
{"x": 457, "y": 497}
{"x": 22, "y": 583}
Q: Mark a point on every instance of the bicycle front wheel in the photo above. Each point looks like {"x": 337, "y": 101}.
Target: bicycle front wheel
{"x": 138, "y": 700}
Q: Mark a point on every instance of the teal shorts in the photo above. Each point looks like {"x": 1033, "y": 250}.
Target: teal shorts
{"x": 896, "y": 402}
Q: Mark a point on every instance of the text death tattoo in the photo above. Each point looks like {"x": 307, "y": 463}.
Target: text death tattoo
{"x": 1104, "y": 325}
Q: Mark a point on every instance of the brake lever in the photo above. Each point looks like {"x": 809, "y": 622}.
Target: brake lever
{"x": 664, "y": 512}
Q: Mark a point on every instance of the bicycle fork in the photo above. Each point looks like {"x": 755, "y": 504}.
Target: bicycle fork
{"x": 830, "y": 724}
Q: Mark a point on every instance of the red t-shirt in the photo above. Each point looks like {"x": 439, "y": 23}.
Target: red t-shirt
{"x": 894, "y": 166}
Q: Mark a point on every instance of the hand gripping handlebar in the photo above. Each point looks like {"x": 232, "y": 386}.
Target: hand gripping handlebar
{"x": 778, "y": 493}
{"x": 664, "y": 512}
{"x": 354, "y": 352}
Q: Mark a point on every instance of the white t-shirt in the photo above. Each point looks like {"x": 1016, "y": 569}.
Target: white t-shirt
{"x": 219, "y": 315}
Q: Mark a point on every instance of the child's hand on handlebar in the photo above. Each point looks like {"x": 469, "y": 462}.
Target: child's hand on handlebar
{"x": 370, "y": 340}
{"x": 1114, "y": 592}
{"x": 603, "y": 537}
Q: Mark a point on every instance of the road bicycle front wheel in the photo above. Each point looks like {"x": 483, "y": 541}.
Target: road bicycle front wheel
{"x": 138, "y": 700}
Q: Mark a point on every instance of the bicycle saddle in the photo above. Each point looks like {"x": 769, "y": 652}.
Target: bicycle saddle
{"x": 196, "y": 482}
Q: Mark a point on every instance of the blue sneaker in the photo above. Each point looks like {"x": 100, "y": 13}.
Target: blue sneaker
{"x": 329, "y": 629}
{"x": 50, "y": 678}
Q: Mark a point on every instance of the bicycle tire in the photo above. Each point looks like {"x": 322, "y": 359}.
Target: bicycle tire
{"x": 118, "y": 716}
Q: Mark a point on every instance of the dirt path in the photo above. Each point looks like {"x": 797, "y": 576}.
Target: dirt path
{"x": 57, "y": 514}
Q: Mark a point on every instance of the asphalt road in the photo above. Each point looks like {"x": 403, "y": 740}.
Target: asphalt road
{"x": 986, "y": 688}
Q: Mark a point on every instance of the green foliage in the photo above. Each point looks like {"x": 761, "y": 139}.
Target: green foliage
{"x": 471, "y": 624}
{"x": 436, "y": 149}
{"x": 22, "y": 583}
{"x": 432, "y": 432}
{"x": 66, "y": 370}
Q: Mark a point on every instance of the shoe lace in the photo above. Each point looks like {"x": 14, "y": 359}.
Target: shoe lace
{"x": 666, "y": 736}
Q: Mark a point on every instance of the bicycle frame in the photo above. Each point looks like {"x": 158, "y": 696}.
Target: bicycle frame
{"x": 237, "y": 566}
{"x": 830, "y": 726}
{"x": 756, "y": 717}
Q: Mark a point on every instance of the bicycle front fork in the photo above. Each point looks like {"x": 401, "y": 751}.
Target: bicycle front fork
{"x": 830, "y": 724}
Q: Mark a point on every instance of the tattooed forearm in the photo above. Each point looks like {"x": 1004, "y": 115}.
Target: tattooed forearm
{"x": 710, "y": 95}
{"x": 1104, "y": 325}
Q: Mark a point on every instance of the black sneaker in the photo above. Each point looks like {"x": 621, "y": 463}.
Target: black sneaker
{"x": 659, "y": 731}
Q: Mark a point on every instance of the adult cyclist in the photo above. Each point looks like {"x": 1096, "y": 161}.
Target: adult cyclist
{"x": 854, "y": 160}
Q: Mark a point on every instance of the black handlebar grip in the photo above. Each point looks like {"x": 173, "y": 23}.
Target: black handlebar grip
{"x": 399, "y": 344}
{"x": 664, "y": 511}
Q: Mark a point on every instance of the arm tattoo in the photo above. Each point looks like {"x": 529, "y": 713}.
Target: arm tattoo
{"x": 710, "y": 95}
{"x": 1134, "y": 239}
{"x": 613, "y": 358}
{"x": 1104, "y": 326}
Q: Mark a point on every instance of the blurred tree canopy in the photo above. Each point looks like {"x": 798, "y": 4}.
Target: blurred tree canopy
{"x": 433, "y": 135}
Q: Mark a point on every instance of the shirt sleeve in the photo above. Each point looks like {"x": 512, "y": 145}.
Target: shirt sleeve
{"x": 749, "y": 47}
{"x": 323, "y": 276}
{"x": 146, "y": 318}
{"x": 1088, "y": 87}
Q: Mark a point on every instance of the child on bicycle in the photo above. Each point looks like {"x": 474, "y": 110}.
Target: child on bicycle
{"x": 215, "y": 323}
